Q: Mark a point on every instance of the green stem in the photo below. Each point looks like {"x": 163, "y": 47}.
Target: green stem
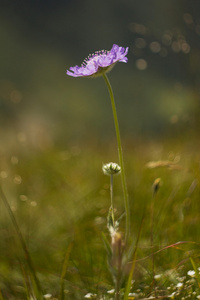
{"x": 126, "y": 202}
{"x": 111, "y": 197}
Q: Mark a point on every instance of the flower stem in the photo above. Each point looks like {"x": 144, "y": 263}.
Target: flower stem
{"x": 123, "y": 177}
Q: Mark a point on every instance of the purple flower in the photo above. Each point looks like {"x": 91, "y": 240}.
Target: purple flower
{"x": 100, "y": 62}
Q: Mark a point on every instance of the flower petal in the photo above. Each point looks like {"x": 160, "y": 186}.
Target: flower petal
{"x": 100, "y": 62}
{"x": 105, "y": 60}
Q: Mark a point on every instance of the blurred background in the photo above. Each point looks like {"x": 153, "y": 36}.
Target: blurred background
{"x": 157, "y": 92}
{"x": 51, "y": 125}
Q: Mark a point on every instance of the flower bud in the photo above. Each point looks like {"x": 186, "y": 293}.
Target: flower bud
{"x": 156, "y": 185}
{"x": 111, "y": 169}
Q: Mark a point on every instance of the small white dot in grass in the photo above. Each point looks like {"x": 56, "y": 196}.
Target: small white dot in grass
{"x": 157, "y": 277}
{"x": 179, "y": 285}
{"x": 33, "y": 203}
{"x": 132, "y": 294}
{"x": 198, "y": 297}
{"x": 47, "y": 296}
{"x": 90, "y": 296}
{"x": 172, "y": 295}
{"x": 111, "y": 291}
{"x": 191, "y": 273}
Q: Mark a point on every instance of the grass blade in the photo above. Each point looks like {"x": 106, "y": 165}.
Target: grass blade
{"x": 128, "y": 286}
{"x": 64, "y": 270}
{"x": 196, "y": 271}
{"x": 107, "y": 245}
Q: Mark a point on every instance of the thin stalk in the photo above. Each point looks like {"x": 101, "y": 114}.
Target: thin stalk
{"x": 111, "y": 197}
{"x": 22, "y": 242}
{"x": 119, "y": 270}
{"x": 126, "y": 202}
{"x": 196, "y": 271}
{"x": 152, "y": 241}
{"x": 130, "y": 277}
{"x": 64, "y": 271}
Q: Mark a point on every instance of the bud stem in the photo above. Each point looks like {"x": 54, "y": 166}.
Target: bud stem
{"x": 111, "y": 196}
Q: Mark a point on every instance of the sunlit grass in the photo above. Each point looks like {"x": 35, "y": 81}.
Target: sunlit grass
{"x": 60, "y": 197}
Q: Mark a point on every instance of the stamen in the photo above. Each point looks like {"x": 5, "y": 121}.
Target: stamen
{"x": 95, "y": 54}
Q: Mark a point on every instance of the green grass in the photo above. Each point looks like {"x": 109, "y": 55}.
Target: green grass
{"x": 60, "y": 199}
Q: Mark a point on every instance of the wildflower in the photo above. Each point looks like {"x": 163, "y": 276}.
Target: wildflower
{"x": 48, "y": 296}
{"x": 111, "y": 169}
{"x": 157, "y": 277}
{"x": 179, "y": 285}
{"x": 90, "y": 296}
{"x": 100, "y": 62}
{"x": 191, "y": 273}
{"x": 172, "y": 295}
{"x": 111, "y": 291}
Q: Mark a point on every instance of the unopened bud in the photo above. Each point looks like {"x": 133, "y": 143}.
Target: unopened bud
{"x": 111, "y": 169}
{"x": 116, "y": 238}
{"x": 156, "y": 185}
{"x": 117, "y": 246}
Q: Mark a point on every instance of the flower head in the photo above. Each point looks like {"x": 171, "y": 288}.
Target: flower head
{"x": 100, "y": 62}
{"x": 90, "y": 296}
{"x": 191, "y": 273}
{"x": 111, "y": 169}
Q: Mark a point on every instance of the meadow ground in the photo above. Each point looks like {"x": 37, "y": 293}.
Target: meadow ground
{"x": 60, "y": 199}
